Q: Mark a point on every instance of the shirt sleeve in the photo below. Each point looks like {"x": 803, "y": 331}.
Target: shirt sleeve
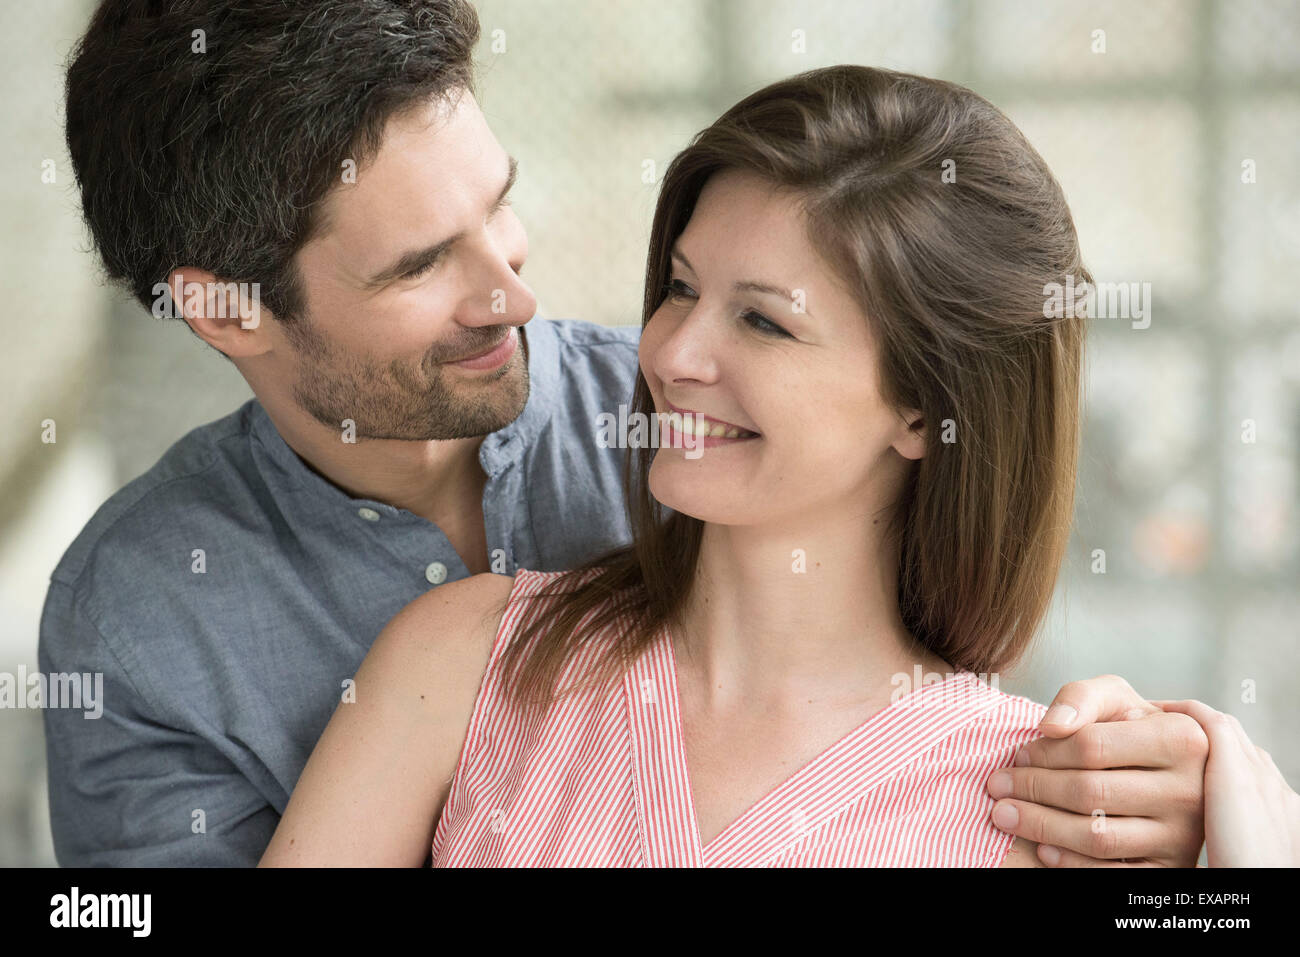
{"x": 127, "y": 788}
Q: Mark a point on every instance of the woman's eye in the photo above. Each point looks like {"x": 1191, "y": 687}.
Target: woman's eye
{"x": 676, "y": 289}
{"x": 762, "y": 324}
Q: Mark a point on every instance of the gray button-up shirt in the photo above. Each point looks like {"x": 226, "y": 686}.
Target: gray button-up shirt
{"x": 228, "y": 594}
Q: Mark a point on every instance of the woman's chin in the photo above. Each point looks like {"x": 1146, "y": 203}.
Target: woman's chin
{"x": 688, "y": 495}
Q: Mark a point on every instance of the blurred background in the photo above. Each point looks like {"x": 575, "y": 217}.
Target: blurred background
{"x": 1152, "y": 126}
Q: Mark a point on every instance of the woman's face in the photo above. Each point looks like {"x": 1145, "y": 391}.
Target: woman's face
{"x": 757, "y": 333}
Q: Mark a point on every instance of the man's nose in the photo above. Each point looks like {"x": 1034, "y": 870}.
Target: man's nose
{"x": 499, "y": 296}
{"x": 512, "y": 303}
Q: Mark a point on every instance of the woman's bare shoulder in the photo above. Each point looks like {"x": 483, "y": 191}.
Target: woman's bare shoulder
{"x": 376, "y": 783}
{"x": 455, "y": 623}
{"x": 428, "y": 665}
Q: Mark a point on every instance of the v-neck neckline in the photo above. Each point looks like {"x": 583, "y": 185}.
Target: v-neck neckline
{"x": 809, "y": 797}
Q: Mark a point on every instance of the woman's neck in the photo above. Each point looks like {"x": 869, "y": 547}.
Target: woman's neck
{"x": 783, "y": 618}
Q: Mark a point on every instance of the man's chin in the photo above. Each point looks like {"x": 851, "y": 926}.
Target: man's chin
{"x": 466, "y": 410}
{"x": 489, "y": 406}
{"x": 467, "y": 419}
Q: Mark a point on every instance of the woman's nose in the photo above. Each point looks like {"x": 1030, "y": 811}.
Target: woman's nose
{"x": 690, "y": 350}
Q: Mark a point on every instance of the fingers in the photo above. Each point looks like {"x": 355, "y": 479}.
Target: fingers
{"x": 1100, "y": 836}
{"x": 1064, "y": 857}
{"x": 1222, "y": 729}
{"x": 1162, "y": 740}
{"x": 1197, "y": 709}
{"x": 1140, "y": 793}
{"x": 1080, "y": 703}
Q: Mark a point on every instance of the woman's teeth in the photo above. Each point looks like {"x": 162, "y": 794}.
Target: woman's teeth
{"x": 702, "y": 427}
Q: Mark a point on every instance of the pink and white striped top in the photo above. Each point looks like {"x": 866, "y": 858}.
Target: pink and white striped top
{"x": 601, "y": 779}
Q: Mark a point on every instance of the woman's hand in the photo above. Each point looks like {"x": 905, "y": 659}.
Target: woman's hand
{"x": 1252, "y": 817}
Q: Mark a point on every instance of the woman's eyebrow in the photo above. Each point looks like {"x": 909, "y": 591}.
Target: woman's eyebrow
{"x": 747, "y": 285}
{"x": 750, "y": 286}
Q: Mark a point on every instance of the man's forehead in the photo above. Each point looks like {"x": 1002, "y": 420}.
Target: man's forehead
{"x": 429, "y": 157}
{"x": 434, "y": 169}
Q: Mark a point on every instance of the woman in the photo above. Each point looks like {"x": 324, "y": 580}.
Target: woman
{"x": 845, "y": 292}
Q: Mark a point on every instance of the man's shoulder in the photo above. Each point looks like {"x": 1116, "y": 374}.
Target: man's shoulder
{"x": 182, "y": 497}
{"x": 578, "y": 334}
{"x": 595, "y": 351}
{"x": 584, "y": 370}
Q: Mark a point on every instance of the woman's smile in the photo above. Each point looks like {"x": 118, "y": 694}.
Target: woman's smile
{"x": 675, "y": 435}
{"x": 700, "y": 425}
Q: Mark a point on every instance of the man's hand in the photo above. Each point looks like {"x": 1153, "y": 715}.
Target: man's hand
{"x": 1114, "y": 782}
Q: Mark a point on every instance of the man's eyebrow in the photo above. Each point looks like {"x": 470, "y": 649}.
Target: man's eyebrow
{"x": 744, "y": 286}
{"x": 414, "y": 259}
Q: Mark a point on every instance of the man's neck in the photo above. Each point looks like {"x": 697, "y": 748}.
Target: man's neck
{"x": 433, "y": 479}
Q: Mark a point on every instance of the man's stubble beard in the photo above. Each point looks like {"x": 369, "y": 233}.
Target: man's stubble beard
{"x": 397, "y": 400}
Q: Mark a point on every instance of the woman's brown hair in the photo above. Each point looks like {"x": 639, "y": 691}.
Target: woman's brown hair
{"x": 949, "y": 228}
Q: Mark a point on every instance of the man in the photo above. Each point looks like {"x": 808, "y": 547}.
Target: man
{"x": 413, "y": 424}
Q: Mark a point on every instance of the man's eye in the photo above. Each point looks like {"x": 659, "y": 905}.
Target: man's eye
{"x": 417, "y": 273}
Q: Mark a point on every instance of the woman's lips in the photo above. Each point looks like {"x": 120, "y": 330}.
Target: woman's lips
{"x": 684, "y": 428}
{"x": 697, "y": 417}
{"x": 674, "y": 438}
{"x": 494, "y": 357}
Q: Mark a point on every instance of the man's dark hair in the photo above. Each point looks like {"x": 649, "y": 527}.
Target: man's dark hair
{"x": 220, "y": 159}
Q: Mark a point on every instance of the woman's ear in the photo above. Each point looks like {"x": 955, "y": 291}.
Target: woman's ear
{"x": 911, "y": 439}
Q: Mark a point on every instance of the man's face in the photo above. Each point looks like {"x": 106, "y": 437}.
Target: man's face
{"x": 416, "y": 268}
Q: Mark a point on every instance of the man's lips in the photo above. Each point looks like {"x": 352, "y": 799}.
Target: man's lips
{"x": 491, "y": 357}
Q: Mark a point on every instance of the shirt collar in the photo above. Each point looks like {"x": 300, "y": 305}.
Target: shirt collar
{"x": 499, "y": 448}
{"x": 538, "y": 337}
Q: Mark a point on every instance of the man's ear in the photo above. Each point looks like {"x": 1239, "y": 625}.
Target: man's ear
{"x": 226, "y": 315}
{"x": 911, "y": 439}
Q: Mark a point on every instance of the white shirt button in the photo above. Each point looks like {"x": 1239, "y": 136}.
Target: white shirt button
{"x": 436, "y": 573}
{"x": 369, "y": 514}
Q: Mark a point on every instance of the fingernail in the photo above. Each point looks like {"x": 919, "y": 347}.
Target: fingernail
{"x": 1000, "y": 784}
{"x": 1049, "y": 854}
{"x": 1022, "y": 758}
{"x": 1005, "y": 816}
{"x": 1061, "y": 714}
